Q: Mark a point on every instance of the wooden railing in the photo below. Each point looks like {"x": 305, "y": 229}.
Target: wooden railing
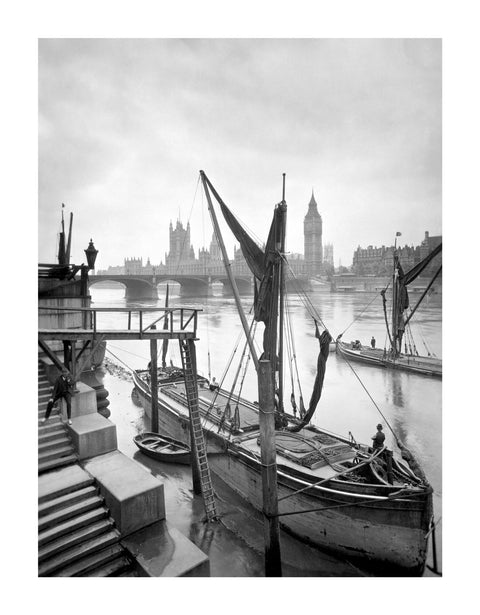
{"x": 179, "y": 318}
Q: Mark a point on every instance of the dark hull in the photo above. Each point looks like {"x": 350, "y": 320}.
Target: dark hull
{"x": 425, "y": 366}
{"x": 354, "y": 521}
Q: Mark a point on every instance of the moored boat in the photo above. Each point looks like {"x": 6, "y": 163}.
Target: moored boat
{"x": 162, "y": 448}
{"x": 426, "y": 366}
{"x": 398, "y": 331}
{"x": 337, "y": 494}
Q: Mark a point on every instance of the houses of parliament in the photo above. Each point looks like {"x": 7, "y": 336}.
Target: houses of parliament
{"x": 181, "y": 258}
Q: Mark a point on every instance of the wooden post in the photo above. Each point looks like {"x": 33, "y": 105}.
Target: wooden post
{"x": 66, "y": 354}
{"x": 75, "y": 375}
{"x": 273, "y": 562}
{"x": 154, "y": 383}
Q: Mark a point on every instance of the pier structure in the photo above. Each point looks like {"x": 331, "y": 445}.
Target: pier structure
{"x": 100, "y": 512}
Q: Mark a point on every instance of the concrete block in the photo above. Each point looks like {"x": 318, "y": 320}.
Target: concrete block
{"x": 84, "y": 401}
{"x": 162, "y": 551}
{"x": 93, "y": 435}
{"x": 133, "y": 495}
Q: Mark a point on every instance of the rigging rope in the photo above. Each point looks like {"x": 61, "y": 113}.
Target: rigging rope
{"x": 110, "y": 345}
{"x": 118, "y": 359}
{"x": 229, "y": 362}
{"x": 371, "y": 398}
{"x": 303, "y": 295}
{"x": 364, "y": 309}
{"x": 188, "y": 221}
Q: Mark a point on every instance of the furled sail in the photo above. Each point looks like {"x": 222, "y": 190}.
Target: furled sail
{"x": 260, "y": 263}
{"x": 324, "y": 339}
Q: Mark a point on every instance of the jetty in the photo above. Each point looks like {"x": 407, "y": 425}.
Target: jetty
{"x": 100, "y": 513}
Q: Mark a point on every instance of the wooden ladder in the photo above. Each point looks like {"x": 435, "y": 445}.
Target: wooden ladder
{"x": 187, "y": 351}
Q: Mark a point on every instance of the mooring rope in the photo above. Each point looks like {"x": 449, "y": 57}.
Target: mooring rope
{"x": 364, "y": 309}
{"x": 371, "y": 398}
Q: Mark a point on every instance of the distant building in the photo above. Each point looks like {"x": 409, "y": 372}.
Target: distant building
{"x": 312, "y": 233}
{"x": 133, "y": 266}
{"x": 328, "y": 254}
{"x": 379, "y": 261}
{"x": 181, "y": 258}
{"x": 181, "y": 250}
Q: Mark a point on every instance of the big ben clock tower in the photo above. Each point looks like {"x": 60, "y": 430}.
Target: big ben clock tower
{"x": 312, "y": 232}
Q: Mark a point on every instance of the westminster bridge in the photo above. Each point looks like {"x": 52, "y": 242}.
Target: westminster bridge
{"x": 144, "y": 286}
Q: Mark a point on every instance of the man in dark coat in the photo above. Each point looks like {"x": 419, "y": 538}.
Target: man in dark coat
{"x": 62, "y": 389}
{"x": 378, "y": 438}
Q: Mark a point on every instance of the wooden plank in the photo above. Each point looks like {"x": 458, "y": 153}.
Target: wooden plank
{"x": 112, "y": 334}
{"x": 154, "y": 384}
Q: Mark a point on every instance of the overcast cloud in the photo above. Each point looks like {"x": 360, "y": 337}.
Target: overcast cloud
{"x": 125, "y": 126}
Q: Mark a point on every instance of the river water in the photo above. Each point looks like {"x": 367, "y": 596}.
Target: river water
{"x": 410, "y": 404}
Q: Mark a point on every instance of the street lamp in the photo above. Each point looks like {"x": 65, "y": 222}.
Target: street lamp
{"x": 91, "y": 254}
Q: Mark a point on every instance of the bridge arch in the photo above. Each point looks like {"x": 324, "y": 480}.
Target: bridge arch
{"x": 135, "y": 288}
{"x": 244, "y": 285}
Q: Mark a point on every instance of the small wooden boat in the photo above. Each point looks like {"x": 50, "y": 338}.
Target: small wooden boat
{"x": 162, "y": 448}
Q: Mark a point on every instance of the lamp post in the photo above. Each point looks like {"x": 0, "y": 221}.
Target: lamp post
{"x": 91, "y": 254}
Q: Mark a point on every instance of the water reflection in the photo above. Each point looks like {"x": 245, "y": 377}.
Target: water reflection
{"x": 410, "y": 403}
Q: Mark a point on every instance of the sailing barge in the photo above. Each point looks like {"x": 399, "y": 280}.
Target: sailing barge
{"x": 393, "y": 357}
{"x": 332, "y": 492}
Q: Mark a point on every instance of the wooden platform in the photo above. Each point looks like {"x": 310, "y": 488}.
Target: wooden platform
{"x": 114, "y": 334}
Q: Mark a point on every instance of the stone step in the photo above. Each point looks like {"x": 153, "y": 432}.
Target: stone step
{"x": 65, "y": 500}
{"x": 88, "y": 564}
{"x": 120, "y": 566}
{"x": 55, "y": 464}
{"x": 67, "y": 513}
{"x": 54, "y": 414}
{"x": 69, "y": 562}
{"x": 74, "y": 538}
{"x": 51, "y": 435}
{"x": 56, "y": 453}
{"x": 62, "y": 482}
{"x": 53, "y": 422}
{"x": 71, "y": 525}
{"x": 61, "y": 440}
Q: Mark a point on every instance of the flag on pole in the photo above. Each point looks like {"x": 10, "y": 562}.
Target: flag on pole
{"x": 398, "y": 234}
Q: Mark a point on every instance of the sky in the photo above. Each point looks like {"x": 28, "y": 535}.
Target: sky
{"x": 125, "y": 125}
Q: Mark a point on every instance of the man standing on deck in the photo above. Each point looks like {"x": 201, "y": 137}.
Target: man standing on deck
{"x": 378, "y": 438}
{"x": 62, "y": 389}
{"x": 372, "y": 342}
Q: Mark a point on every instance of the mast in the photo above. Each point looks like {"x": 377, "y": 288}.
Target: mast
{"x": 165, "y": 326}
{"x": 394, "y": 301}
{"x": 69, "y": 241}
{"x": 61, "y": 244}
{"x": 282, "y": 302}
{"x": 228, "y": 269}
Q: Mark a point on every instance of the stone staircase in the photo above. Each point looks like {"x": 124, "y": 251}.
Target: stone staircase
{"x": 76, "y": 535}
{"x": 55, "y": 448}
